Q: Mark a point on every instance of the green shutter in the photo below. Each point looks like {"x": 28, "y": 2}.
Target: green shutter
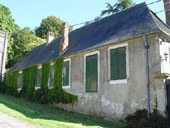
{"x": 38, "y": 81}
{"x": 66, "y": 73}
{"x": 114, "y": 64}
{"x": 122, "y": 63}
{"x": 51, "y": 76}
{"x": 91, "y": 73}
{"x": 118, "y": 63}
{"x": 88, "y": 75}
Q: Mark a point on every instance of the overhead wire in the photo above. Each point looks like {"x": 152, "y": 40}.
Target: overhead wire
{"x": 103, "y": 17}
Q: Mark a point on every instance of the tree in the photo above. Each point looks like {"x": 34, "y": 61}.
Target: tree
{"x": 7, "y": 25}
{"x": 24, "y": 41}
{"x": 51, "y": 23}
{"x": 6, "y": 20}
{"x": 120, "y": 5}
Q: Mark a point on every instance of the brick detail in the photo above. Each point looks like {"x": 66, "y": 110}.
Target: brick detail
{"x": 167, "y": 11}
{"x": 64, "y": 38}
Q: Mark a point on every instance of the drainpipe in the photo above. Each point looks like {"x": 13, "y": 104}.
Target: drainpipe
{"x": 147, "y": 75}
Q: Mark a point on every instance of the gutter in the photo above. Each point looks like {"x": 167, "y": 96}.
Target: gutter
{"x": 147, "y": 76}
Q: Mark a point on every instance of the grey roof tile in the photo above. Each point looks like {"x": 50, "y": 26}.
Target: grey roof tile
{"x": 127, "y": 24}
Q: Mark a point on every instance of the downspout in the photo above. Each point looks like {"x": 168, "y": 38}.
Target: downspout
{"x": 147, "y": 75}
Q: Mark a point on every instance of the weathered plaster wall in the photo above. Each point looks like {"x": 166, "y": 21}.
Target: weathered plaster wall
{"x": 115, "y": 101}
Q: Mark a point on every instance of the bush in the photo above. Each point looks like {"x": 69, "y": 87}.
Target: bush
{"x": 42, "y": 95}
{"x": 139, "y": 120}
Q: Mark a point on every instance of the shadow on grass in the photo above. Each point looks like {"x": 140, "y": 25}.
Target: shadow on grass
{"x": 39, "y": 111}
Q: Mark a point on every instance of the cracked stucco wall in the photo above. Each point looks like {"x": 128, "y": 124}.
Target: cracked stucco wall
{"x": 116, "y": 101}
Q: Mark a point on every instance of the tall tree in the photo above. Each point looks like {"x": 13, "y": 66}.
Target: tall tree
{"x": 24, "y": 41}
{"x": 51, "y": 23}
{"x": 120, "y": 5}
{"x": 6, "y": 20}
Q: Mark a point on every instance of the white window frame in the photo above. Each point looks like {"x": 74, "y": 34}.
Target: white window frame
{"x": 67, "y": 86}
{"x": 121, "y": 81}
{"x": 98, "y": 68}
{"x": 19, "y": 89}
{"x": 52, "y": 63}
{"x": 39, "y": 67}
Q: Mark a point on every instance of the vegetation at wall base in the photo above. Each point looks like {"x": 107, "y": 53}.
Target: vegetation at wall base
{"x": 139, "y": 120}
{"x": 42, "y": 95}
{"x": 9, "y": 85}
{"x": 50, "y": 116}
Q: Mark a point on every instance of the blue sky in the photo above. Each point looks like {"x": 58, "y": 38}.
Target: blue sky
{"x": 31, "y": 12}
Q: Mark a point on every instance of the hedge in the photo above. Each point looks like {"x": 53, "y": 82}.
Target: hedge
{"x": 42, "y": 95}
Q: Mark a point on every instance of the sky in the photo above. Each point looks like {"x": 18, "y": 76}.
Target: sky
{"x": 29, "y": 13}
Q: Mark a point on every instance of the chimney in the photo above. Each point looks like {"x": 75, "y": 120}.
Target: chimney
{"x": 64, "y": 38}
{"x": 167, "y": 11}
{"x": 50, "y": 37}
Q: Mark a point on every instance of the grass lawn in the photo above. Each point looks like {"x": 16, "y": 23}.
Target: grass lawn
{"x": 50, "y": 117}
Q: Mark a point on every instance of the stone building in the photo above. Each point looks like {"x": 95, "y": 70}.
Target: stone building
{"x": 3, "y": 50}
{"x": 106, "y": 63}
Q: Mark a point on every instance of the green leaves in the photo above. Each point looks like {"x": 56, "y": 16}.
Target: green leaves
{"x": 6, "y": 20}
{"x": 51, "y": 23}
{"x": 23, "y": 42}
{"x": 42, "y": 95}
{"x": 120, "y": 5}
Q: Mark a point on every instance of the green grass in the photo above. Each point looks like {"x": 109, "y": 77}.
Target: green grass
{"x": 49, "y": 116}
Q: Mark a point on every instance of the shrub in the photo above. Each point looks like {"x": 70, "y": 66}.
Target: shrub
{"x": 42, "y": 95}
{"x": 139, "y": 120}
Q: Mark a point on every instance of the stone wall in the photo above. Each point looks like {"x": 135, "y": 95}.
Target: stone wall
{"x": 116, "y": 101}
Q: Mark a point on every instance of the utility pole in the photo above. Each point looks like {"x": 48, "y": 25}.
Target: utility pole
{"x": 3, "y": 51}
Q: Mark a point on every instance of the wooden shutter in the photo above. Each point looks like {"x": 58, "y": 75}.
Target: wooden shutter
{"x": 20, "y": 80}
{"x": 66, "y": 73}
{"x": 122, "y": 63}
{"x": 38, "y": 81}
{"x": 91, "y": 73}
{"x": 51, "y": 76}
{"x": 118, "y": 63}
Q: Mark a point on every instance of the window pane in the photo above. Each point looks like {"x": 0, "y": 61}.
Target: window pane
{"x": 91, "y": 73}
{"x": 66, "y": 73}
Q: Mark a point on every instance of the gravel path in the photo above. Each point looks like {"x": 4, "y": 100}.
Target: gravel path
{"x": 7, "y": 121}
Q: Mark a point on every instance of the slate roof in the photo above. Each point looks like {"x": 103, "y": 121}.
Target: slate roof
{"x": 128, "y": 24}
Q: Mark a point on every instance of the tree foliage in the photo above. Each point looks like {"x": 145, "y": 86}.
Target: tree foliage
{"x": 24, "y": 41}
{"x": 51, "y": 23}
{"x": 120, "y": 5}
{"x": 6, "y": 20}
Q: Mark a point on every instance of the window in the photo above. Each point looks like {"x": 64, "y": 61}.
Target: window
{"x": 66, "y": 73}
{"x": 38, "y": 80}
{"x": 20, "y": 80}
{"x": 118, "y": 69}
{"x": 51, "y": 76}
{"x": 91, "y": 72}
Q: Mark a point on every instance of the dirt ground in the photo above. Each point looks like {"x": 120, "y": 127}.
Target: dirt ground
{"x": 7, "y": 121}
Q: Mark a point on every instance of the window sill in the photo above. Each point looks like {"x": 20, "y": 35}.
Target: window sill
{"x": 123, "y": 81}
{"x": 66, "y": 87}
{"x": 36, "y": 88}
{"x": 50, "y": 87}
{"x": 19, "y": 89}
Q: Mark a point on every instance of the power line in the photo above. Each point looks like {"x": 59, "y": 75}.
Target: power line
{"x": 153, "y": 2}
{"x": 103, "y": 17}
{"x": 162, "y": 11}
